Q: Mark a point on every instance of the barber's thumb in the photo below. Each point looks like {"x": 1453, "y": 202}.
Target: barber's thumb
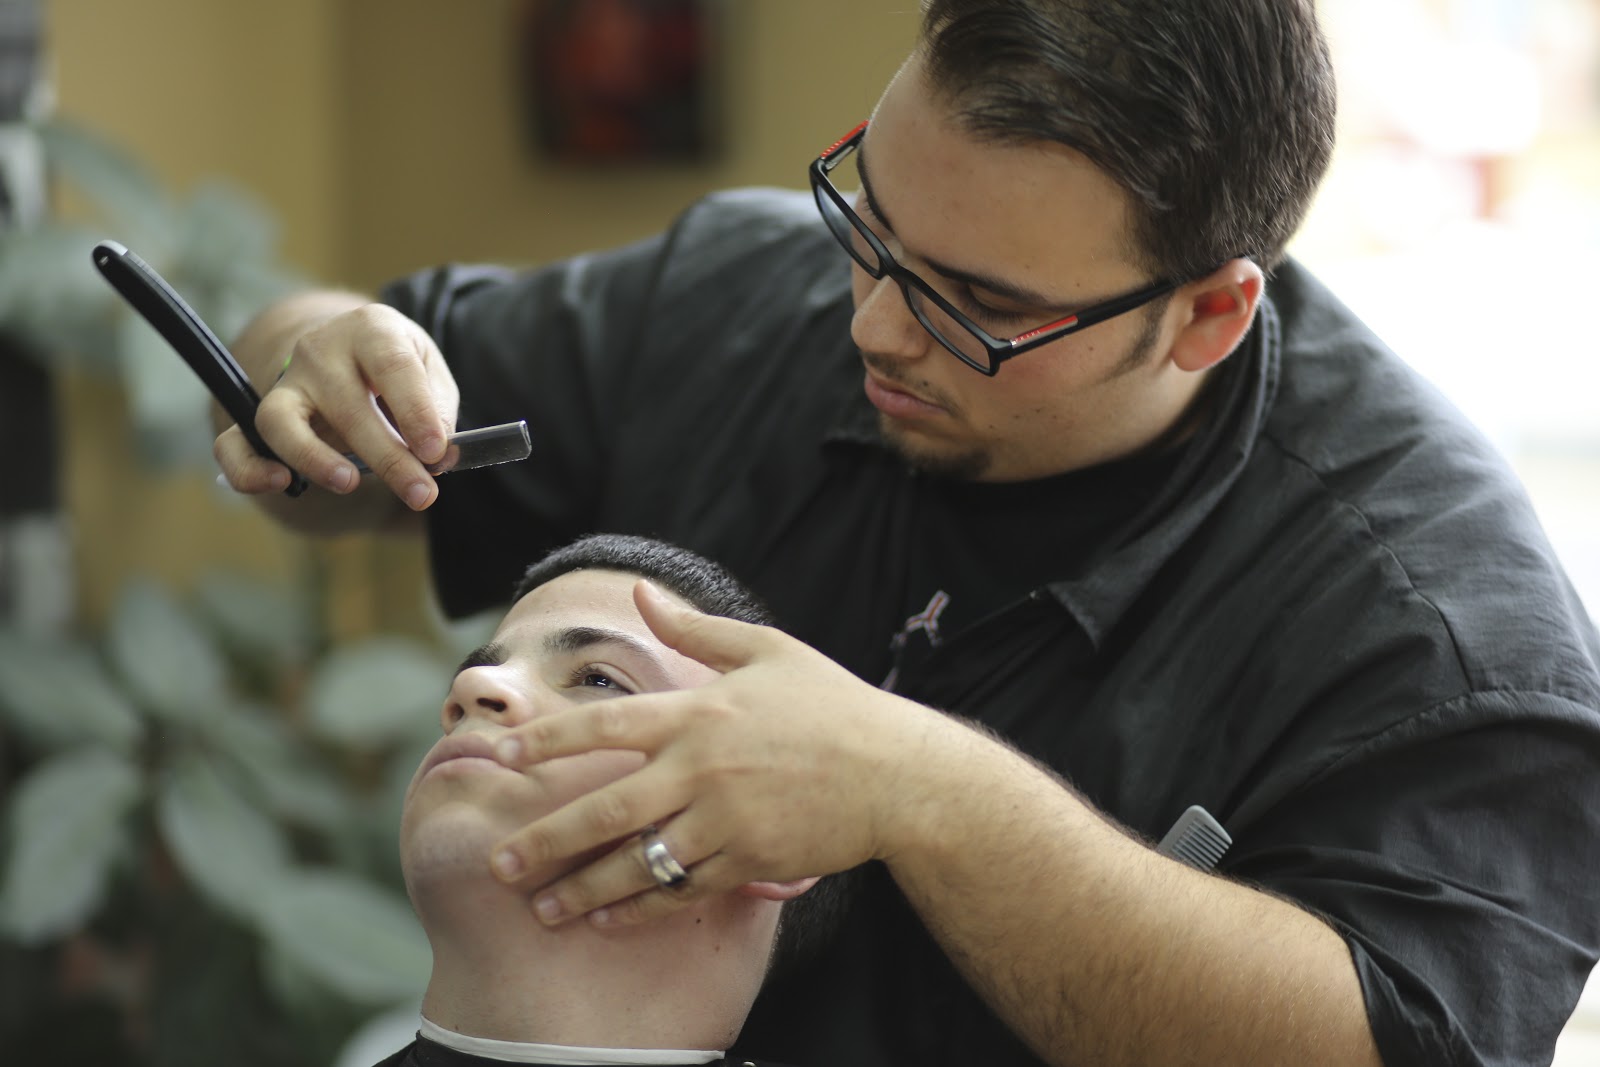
{"x": 719, "y": 643}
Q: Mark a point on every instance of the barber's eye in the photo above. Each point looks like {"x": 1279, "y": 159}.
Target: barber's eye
{"x": 992, "y": 316}
{"x": 598, "y": 680}
{"x": 1004, "y": 318}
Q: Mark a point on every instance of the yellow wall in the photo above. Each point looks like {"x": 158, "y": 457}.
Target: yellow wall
{"x": 441, "y": 169}
{"x": 193, "y": 89}
{"x": 385, "y": 135}
{"x": 201, "y": 88}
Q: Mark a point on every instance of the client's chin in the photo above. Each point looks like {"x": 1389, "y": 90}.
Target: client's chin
{"x": 444, "y": 855}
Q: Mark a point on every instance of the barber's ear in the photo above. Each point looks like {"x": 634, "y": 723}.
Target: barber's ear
{"x": 777, "y": 890}
{"x": 1220, "y": 308}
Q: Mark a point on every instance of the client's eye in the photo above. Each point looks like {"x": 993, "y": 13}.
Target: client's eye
{"x": 592, "y": 677}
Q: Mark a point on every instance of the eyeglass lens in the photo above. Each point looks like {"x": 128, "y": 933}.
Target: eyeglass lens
{"x": 848, "y": 231}
{"x": 845, "y": 231}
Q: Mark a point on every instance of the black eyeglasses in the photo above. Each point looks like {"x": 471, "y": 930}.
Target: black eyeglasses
{"x": 965, "y": 339}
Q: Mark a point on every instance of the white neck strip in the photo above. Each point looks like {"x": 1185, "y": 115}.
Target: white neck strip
{"x": 568, "y": 1055}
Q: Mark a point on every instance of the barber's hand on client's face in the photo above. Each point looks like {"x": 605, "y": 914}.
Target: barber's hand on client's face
{"x": 788, "y": 766}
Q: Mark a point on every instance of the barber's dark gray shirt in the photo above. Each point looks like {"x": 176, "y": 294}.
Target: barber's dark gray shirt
{"x": 1331, "y": 617}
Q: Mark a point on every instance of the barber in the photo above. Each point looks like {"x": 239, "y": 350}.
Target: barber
{"x": 1086, "y": 504}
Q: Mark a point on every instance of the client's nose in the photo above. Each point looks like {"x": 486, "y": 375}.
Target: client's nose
{"x": 488, "y": 693}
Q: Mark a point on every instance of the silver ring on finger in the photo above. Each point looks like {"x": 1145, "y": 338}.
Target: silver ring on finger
{"x": 664, "y": 867}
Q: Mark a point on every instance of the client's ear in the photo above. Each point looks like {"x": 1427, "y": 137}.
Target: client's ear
{"x": 777, "y": 890}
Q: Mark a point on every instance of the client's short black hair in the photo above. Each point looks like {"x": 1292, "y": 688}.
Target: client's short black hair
{"x": 704, "y": 584}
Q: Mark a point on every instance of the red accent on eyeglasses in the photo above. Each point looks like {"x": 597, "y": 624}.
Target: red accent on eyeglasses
{"x": 1046, "y": 328}
{"x": 835, "y": 146}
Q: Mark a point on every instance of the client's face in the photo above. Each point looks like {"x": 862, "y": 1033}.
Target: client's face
{"x": 572, "y": 641}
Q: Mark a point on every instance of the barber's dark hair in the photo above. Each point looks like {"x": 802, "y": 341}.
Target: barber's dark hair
{"x": 1217, "y": 116}
{"x": 704, "y": 584}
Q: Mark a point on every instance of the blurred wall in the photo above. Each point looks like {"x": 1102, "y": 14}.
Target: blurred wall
{"x": 192, "y": 89}
{"x": 387, "y": 137}
{"x": 196, "y": 88}
{"x": 438, "y": 167}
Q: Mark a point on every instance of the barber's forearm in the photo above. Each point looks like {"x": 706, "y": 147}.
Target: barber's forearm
{"x": 1096, "y": 949}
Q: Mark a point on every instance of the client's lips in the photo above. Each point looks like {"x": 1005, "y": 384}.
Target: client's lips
{"x": 460, "y": 746}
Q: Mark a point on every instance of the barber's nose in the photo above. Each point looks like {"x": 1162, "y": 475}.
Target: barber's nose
{"x": 489, "y": 693}
{"x": 883, "y": 323}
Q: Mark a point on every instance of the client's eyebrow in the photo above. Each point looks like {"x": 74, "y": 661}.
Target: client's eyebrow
{"x": 569, "y": 640}
{"x": 578, "y": 638}
{"x": 573, "y": 639}
{"x": 491, "y": 654}
{"x": 971, "y": 279}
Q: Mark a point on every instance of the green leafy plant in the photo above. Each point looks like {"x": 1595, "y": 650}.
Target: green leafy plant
{"x": 216, "y": 246}
{"x": 207, "y": 815}
{"x": 198, "y": 804}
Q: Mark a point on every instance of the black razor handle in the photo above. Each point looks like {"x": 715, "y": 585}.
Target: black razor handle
{"x": 191, "y": 338}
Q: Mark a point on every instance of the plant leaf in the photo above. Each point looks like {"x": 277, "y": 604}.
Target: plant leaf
{"x": 167, "y": 402}
{"x": 228, "y": 850}
{"x": 251, "y": 287}
{"x": 220, "y": 226}
{"x": 295, "y": 989}
{"x": 128, "y": 198}
{"x": 259, "y": 621}
{"x": 398, "y": 770}
{"x": 65, "y": 824}
{"x": 372, "y": 693}
{"x": 51, "y": 295}
{"x": 287, "y": 777}
{"x": 57, "y": 694}
{"x": 170, "y": 665}
{"x": 360, "y": 940}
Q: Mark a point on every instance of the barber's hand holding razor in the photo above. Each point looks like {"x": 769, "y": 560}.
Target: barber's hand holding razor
{"x": 339, "y": 375}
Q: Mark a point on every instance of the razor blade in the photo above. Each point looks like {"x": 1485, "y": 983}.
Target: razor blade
{"x": 470, "y": 449}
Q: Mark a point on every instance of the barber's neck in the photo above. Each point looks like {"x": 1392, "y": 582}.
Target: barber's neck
{"x": 682, "y": 983}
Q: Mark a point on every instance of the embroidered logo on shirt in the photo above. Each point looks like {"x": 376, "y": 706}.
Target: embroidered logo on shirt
{"x": 927, "y": 621}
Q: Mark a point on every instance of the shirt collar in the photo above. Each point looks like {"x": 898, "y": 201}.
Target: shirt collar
{"x": 569, "y": 1055}
{"x": 1103, "y": 588}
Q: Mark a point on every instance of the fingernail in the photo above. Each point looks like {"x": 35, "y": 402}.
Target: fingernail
{"x": 508, "y": 751}
{"x": 431, "y": 448}
{"x": 600, "y": 916}
{"x": 344, "y": 478}
{"x": 507, "y": 864}
{"x": 548, "y": 909}
{"x": 417, "y": 496}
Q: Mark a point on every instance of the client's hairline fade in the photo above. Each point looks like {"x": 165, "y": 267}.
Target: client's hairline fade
{"x": 705, "y": 585}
